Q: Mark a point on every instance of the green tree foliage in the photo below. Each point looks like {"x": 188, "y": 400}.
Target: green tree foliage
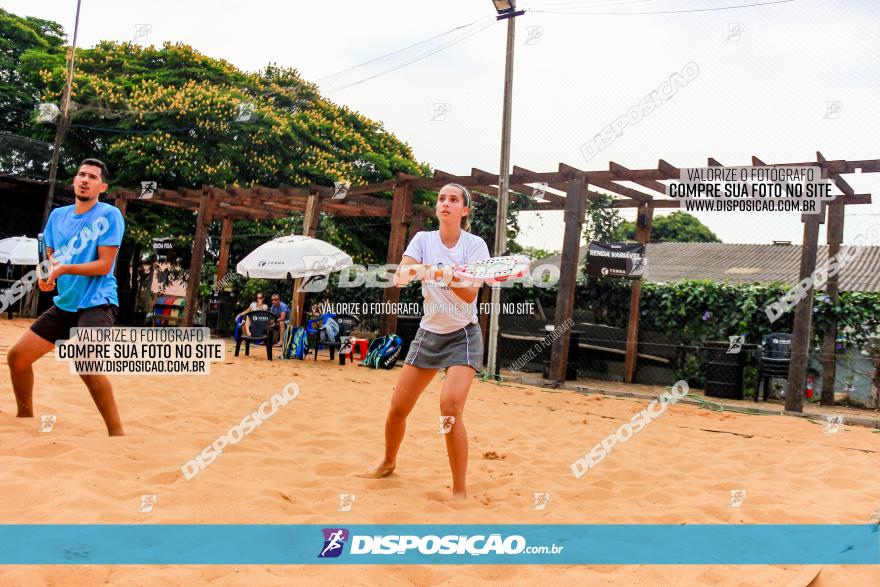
{"x": 535, "y": 253}
{"x": 678, "y": 227}
{"x": 172, "y": 115}
{"x": 694, "y": 311}
{"x": 24, "y": 40}
{"x": 483, "y": 216}
{"x": 602, "y": 221}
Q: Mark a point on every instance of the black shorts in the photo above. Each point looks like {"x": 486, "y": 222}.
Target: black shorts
{"x": 55, "y": 323}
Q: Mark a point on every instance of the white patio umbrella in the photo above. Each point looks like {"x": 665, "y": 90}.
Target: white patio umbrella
{"x": 293, "y": 256}
{"x": 19, "y": 250}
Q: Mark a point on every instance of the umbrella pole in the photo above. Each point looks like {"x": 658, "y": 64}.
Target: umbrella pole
{"x": 309, "y": 222}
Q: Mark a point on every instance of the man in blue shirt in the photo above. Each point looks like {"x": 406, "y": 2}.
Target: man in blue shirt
{"x": 81, "y": 242}
{"x": 282, "y": 312}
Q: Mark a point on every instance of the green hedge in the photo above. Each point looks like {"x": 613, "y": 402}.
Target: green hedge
{"x": 694, "y": 311}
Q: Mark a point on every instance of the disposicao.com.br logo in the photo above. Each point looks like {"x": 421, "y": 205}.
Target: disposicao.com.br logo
{"x": 402, "y": 544}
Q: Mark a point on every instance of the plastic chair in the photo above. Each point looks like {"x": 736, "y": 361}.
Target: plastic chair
{"x": 773, "y": 360}
{"x": 347, "y": 323}
{"x": 262, "y": 330}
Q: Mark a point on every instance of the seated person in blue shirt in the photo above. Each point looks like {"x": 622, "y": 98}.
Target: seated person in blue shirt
{"x": 282, "y": 311}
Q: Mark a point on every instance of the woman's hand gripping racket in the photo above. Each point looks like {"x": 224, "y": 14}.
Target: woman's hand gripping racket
{"x": 493, "y": 270}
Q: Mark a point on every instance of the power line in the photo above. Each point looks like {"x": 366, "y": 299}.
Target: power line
{"x": 414, "y": 59}
{"x": 584, "y": 3}
{"x": 381, "y": 57}
{"x": 689, "y": 10}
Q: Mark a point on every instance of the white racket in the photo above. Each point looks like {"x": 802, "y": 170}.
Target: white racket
{"x": 495, "y": 269}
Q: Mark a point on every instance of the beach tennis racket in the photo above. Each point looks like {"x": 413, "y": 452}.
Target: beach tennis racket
{"x": 494, "y": 269}
{"x": 41, "y": 253}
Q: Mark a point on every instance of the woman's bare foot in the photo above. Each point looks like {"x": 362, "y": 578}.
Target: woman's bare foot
{"x": 383, "y": 469}
{"x": 459, "y": 496}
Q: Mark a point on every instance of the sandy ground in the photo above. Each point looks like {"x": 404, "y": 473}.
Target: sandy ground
{"x": 679, "y": 469}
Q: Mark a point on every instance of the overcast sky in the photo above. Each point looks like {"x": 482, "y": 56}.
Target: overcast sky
{"x": 766, "y": 75}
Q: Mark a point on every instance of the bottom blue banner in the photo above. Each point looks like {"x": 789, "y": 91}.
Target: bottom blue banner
{"x": 196, "y": 544}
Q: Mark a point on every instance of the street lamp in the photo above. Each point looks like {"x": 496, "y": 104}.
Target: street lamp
{"x": 506, "y": 10}
{"x": 503, "y": 6}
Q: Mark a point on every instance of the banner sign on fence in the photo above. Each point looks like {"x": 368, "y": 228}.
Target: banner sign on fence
{"x": 625, "y": 260}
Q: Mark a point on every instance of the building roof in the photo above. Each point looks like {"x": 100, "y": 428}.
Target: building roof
{"x": 746, "y": 263}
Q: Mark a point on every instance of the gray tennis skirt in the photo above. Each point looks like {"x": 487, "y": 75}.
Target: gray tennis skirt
{"x": 438, "y": 351}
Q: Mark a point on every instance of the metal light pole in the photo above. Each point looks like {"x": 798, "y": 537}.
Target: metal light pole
{"x": 506, "y": 10}
{"x": 62, "y": 122}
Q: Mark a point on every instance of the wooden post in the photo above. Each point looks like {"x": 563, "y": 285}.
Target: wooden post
{"x": 644, "y": 219}
{"x": 575, "y": 211}
{"x": 225, "y": 241}
{"x": 123, "y": 269}
{"x": 829, "y": 345}
{"x": 310, "y": 222}
{"x": 803, "y": 314}
{"x": 206, "y": 213}
{"x": 122, "y": 204}
{"x": 400, "y": 211}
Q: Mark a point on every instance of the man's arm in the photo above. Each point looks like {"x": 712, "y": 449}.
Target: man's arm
{"x": 101, "y": 266}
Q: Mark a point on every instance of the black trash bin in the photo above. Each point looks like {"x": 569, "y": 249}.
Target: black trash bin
{"x": 723, "y": 370}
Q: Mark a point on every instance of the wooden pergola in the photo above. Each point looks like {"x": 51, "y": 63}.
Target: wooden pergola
{"x": 229, "y": 204}
{"x": 645, "y": 193}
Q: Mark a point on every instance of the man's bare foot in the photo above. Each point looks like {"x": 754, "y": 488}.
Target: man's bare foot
{"x": 116, "y": 432}
{"x": 379, "y": 471}
{"x": 460, "y": 496}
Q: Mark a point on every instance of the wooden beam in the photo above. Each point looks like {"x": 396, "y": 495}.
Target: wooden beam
{"x": 382, "y": 186}
{"x": 122, "y": 204}
{"x": 552, "y": 198}
{"x": 841, "y": 183}
{"x": 575, "y": 212}
{"x": 622, "y": 190}
{"x": 566, "y": 173}
{"x": 643, "y": 235}
{"x": 206, "y": 213}
{"x": 310, "y": 224}
{"x": 628, "y": 203}
{"x": 800, "y": 337}
{"x": 225, "y": 241}
{"x": 651, "y": 184}
{"x": 402, "y": 205}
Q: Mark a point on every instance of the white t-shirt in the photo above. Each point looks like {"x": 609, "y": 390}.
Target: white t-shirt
{"x": 445, "y": 312}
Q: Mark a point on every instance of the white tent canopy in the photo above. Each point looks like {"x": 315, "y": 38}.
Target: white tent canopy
{"x": 19, "y": 250}
{"x": 293, "y": 256}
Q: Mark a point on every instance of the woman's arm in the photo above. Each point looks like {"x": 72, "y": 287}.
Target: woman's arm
{"x": 403, "y": 270}
{"x": 465, "y": 292}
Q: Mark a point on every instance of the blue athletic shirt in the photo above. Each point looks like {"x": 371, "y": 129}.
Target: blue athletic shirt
{"x": 75, "y": 238}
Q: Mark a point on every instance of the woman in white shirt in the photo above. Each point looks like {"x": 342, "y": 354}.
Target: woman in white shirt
{"x": 257, "y": 305}
{"x": 448, "y": 338}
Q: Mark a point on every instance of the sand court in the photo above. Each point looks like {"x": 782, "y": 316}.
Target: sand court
{"x": 293, "y": 467}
